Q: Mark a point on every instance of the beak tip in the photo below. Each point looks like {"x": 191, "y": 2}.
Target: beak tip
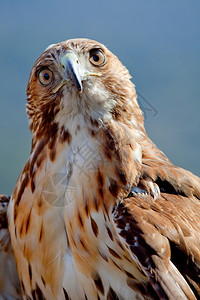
{"x": 80, "y": 88}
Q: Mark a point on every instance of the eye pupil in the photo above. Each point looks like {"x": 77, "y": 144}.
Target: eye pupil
{"x": 95, "y": 57}
{"x": 46, "y": 76}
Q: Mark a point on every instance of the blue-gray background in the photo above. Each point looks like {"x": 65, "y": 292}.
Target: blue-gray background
{"x": 158, "y": 41}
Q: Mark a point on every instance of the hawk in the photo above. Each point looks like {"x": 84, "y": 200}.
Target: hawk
{"x": 99, "y": 212}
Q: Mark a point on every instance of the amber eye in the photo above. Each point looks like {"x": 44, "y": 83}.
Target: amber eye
{"x": 97, "y": 57}
{"x": 45, "y": 76}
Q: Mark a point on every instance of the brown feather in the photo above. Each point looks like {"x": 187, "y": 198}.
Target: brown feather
{"x": 9, "y": 280}
{"x": 169, "y": 230}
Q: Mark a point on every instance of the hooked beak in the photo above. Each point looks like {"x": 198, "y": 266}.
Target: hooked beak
{"x": 73, "y": 71}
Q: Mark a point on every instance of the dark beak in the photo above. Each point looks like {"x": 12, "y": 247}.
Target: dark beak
{"x": 72, "y": 69}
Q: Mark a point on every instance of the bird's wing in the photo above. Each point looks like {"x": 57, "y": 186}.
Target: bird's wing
{"x": 9, "y": 281}
{"x": 170, "y": 178}
{"x": 163, "y": 237}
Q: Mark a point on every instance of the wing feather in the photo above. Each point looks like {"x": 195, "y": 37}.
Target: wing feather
{"x": 9, "y": 281}
{"x": 163, "y": 238}
{"x": 169, "y": 177}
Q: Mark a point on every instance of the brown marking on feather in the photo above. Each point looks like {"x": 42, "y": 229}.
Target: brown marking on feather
{"x": 113, "y": 252}
{"x": 120, "y": 244}
{"x": 94, "y": 123}
{"x": 127, "y": 259}
{"x": 86, "y": 207}
{"x": 129, "y": 274}
{"x": 109, "y": 139}
{"x": 105, "y": 211}
{"x": 65, "y": 135}
{"x": 96, "y": 203}
{"x": 123, "y": 111}
{"x": 116, "y": 265}
{"x": 52, "y": 141}
{"x": 37, "y": 293}
{"x": 84, "y": 245}
{"x": 116, "y": 114}
{"x": 103, "y": 256}
{"x": 66, "y": 294}
{"x": 80, "y": 219}
{"x": 111, "y": 143}
{"x": 101, "y": 193}
{"x": 98, "y": 283}
{"x": 94, "y": 225}
{"x": 78, "y": 128}
{"x": 41, "y": 233}
{"x": 47, "y": 126}
{"x": 135, "y": 286}
{"x": 28, "y": 222}
{"x": 114, "y": 187}
{"x": 109, "y": 233}
{"x": 107, "y": 153}
{"x": 91, "y": 132}
{"x": 39, "y": 203}
{"x": 21, "y": 191}
{"x": 105, "y": 216}
{"x": 21, "y": 229}
{"x": 31, "y": 126}
{"x": 112, "y": 295}
{"x": 22, "y": 285}
{"x": 122, "y": 175}
{"x": 40, "y": 159}
{"x": 30, "y": 271}
{"x": 100, "y": 178}
{"x": 43, "y": 281}
{"x": 32, "y": 186}
{"x": 52, "y": 154}
{"x": 70, "y": 224}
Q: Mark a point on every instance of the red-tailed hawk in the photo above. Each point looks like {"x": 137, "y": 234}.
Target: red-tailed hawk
{"x": 98, "y": 211}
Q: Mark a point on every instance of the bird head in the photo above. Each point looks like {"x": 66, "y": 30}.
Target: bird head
{"x": 80, "y": 78}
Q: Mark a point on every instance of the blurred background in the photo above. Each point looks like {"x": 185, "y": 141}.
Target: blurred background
{"x": 158, "y": 41}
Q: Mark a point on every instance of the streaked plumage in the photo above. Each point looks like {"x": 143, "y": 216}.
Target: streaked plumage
{"x": 76, "y": 232}
{"x": 9, "y": 281}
